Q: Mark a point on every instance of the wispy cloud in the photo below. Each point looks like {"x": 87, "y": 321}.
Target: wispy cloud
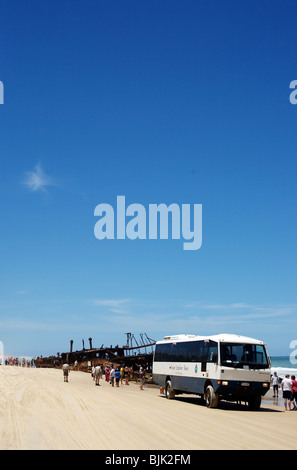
{"x": 22, "y": 292}
{"x": 254, "y": 323}
{"x": 213, "y": 306}
{"x": 113, "y": 305}
{"x": 21, "y": 324}
{"x": 239, "y": 312}
{"x": 37, "y": 179}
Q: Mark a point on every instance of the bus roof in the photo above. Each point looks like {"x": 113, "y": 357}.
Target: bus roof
{"x": 223, "y": 337}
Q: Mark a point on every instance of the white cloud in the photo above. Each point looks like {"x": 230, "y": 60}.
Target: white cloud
{"x": 37, "y": 180}
{"x": 113, "y": 305}
{"x": 235, "y": 305}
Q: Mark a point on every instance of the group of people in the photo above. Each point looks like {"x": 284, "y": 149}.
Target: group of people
{"x": 113, "y": 375}
{"x": 16, "y": 361}
{"x": 289, "y": 390}
{"x": 117, "y": 375}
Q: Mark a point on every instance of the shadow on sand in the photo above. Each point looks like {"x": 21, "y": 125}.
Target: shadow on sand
{"x": 225, "y": 405}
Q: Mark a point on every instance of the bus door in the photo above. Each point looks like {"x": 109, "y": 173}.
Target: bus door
{"x": 204, "y": 354}
{"x": 209, "y": 354}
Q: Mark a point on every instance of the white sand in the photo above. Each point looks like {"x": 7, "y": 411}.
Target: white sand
{"x": 40, "y": 411}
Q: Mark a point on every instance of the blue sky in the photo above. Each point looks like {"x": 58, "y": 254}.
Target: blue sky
{"x": 162, "y": 102}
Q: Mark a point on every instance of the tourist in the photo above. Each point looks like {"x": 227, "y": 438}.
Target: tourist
{"x": 112, "y": 375}
{"x": 141, "y": 377}
{"x": 117, "y": 376}
{"x": 127, "y": 375}
{"x": 286, "y": 388}
{"x": 122, "y": 374}
{"x": 107, "y": 372}
{"x": 97, "y": 374}
{"x": 65, "y": 372}
{"x": 275, "y": 381}
{"x": 294, "y": 392}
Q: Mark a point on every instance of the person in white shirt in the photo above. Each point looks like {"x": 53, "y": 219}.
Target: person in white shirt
{"x": 274, "y": 380}
{"x": 112, "y": 375}
{"x": 287, "y": 394}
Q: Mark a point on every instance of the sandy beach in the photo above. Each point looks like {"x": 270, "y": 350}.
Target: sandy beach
{"x": 41, "y": 412}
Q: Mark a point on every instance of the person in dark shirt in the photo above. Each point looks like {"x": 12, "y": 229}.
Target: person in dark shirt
{"x": 117, "y": 376}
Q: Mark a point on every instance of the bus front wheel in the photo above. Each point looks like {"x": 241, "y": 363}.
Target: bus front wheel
{"x": 211, "y": 398}
{"x": 254, "y": 403}
{"x": 169, "y": 392}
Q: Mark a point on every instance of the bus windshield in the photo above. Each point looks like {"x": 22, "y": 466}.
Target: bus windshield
{"x": 242, "y": 355}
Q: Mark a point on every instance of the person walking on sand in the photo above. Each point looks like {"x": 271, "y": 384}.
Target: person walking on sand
{"x": 107, "y": 372}
{"x": 65, "y": 372}
{"x": 122, "y": 374}
{"x": 275, "y": 381}
{"x": 127, "y": 375}
{"x": 112, "y": 375}
{"x": 294, "y": 392}
{"x": 141, "y": 377}
{"x": 117, "y": 376}
{"x": 286, "y": 388}
{"x": 97, "y": 374}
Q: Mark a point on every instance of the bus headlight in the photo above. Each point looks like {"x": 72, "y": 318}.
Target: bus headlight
{"x": 224, "y": 382}
{"x": 265, "y": 384}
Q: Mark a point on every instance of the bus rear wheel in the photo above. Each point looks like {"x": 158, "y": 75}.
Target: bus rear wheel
{"x": 169, "y": 392}
{"x": 211, "y": 398}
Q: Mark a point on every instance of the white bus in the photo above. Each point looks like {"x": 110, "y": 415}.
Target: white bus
{"x": 219, "y": 367}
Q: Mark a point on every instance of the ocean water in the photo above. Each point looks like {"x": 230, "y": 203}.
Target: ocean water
{"x": 282, "y": 366}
